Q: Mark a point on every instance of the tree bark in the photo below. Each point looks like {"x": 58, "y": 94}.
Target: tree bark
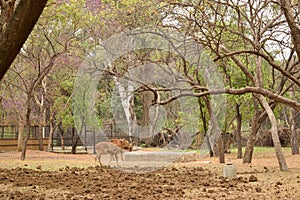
{"x": 202, "y": 115}
{"x": 215, "y": 131}
{"x": 49, "y": 148}
{"x": 28, "y": 123}
{"x": 75, "y": 140}
{"x": 238, "y": 131}
{"x": 290, "y": 18}
{"x": 20, "y": 135}
{"x": 146, "y": 98}
{"x": 127, "y": 99}
{"x": 274, "y": 131}
{"x": 40, "y": 138}
{"x": 16, "y": 30}
{"x": 294, "y": 134}
{"x": 220, "y": 146}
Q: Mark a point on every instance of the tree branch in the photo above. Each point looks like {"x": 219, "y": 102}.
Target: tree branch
{"x": 256, "y": 90}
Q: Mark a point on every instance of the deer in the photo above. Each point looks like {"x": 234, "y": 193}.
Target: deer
{"x": 123, "y": 144}
{"x": 107, "y": 148}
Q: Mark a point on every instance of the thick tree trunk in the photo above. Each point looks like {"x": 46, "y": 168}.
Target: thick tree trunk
{"x": 238, "y": 131}
{"x": 274, "y": 131}
{"x": 256, "y": 123}
{"x": 252, "y": 137}
{"x": 146, "y": 97}
{"x": 250, "y": 147}
{"x": 75, "y": 140}
{"x": 16, "y": 29}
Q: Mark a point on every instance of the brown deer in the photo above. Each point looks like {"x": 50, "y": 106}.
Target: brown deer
{"x": 122, "y": 143}
{"x": 107, "y": 148}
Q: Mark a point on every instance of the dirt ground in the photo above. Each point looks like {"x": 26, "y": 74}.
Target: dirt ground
{"x": 61, "y": 176}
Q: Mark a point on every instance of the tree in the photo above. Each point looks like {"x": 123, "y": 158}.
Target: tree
{"x": 17, "y": 20}
{"x": 51, "y": 45}
{"x": 243, "y": 32}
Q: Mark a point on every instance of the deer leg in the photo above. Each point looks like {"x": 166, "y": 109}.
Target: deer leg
{"x": 122, "y": 157}
{"x": 111, "y": 157}
{"x": 96, "y": 158}
{"x": 99, "y": 159}
{"x": 116, "y": 156}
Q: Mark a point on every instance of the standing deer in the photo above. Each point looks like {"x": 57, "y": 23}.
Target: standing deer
{"x": 123, "y": 144}
{"x": 107, "y": 148}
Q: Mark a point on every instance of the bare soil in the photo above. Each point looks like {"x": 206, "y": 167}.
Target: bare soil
{"x": 46, "y": 175}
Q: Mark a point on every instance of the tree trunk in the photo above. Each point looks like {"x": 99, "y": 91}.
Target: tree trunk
{"x": 24, "y": 146}
{"x": 16, "y": 29}
{"x": 291, "y": 121}
{"x": 220, "y": 145}
{"x": 294, "y": 136}
{"x": 40, "y": 138}
{"x": 202, "y": 115}
{"x": 215, "y": 132}
{"x": 28, "y": 123}
{"x": 238, "y": 131}
{"x": 255, "y": 125}
{"x": 62, "y": 142}
{"x": 49, "y": 148}
{"x": 75, "y": 140}
{"x": 146, "y": 98}
{"x": 126, "y": 94}
{"x": 274, "y": 131}
{"x": 20, "y": 135}
{"x": 61, "y": 135}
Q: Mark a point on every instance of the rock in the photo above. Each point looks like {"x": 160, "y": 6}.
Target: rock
{"x": 278, "y": 183}
{"x": 210, "y": 190}
{"x": 253, "y": 178}
{"x": 39, "y": 166}
{"x": 258, "y": 189}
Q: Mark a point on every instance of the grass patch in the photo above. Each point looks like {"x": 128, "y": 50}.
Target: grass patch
{"x": 261, "y": 149}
